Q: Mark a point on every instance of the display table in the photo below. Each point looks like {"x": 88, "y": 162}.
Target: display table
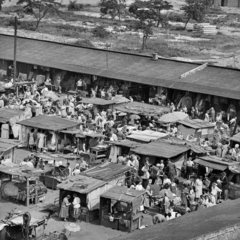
{"x": 99, "y": 152}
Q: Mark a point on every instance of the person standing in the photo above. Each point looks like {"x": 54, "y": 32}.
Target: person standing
{"x": 189, "y": 164}
{"x": 198, "y": 188}
{"x": 215, "y": 190}
{"x": 171, "y": 169}
{"x": 154, "y": 173}
{"x": 76, "y": 207}
{"x": 69, "y": 169}
{"x": 225, "y": 186}
{"x": 146, "y": 175}
{"x": 64, "y": 212}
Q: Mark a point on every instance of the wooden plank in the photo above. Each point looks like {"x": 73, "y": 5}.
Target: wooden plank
{"x": 184, "y": 75}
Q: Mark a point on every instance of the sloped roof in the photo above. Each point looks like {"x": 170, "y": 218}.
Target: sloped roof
{"x": 81, "y": 184}
{"x": 107, "y": 171}
{"x": 236, "y": 138}
{"x": 196, "y": 123}
{"x": 160, "y": 149}
{"x": 6, "y": 114}
{"x": 7, "y": 144}
{"x": 49, "y": 123}
{"x": 124, "y": 66}
{"x": 123, "y": 194}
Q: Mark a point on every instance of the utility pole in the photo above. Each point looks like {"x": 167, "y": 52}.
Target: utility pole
{"x": 108, "y": 45}
{"x": 15, "y": 51}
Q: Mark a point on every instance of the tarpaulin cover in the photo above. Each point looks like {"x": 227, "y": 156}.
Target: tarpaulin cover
{"x": 212, "y": 165}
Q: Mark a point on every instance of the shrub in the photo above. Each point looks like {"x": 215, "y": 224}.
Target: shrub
{"x": 27, "y": 25}
{"x": 176, "y": 17}
{"x": 73, "y": 6}
{"x": 84, "y": 43}
{"x": 100, "y": 32}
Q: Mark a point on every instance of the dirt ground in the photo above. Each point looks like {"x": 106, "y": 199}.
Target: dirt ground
{"x": 89, "y": 231}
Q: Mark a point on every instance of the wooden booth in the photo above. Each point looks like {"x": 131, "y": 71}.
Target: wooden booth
{"x": 88, "y": 190}
{"x": 161, "y": 150}
{"x": 7, "y": 150}
{"x": 196, "y": 127}
{"x": 121, "y": 147}
{"x": 52, "y": 125}
{"x": 217, "y": 166}
{"x": 120, "y": 208}
{"x": 21, "y": 183}
{"x": 112, "y": 173}
{"x": 13, "y": 228}
{"x": 8, "y": 118}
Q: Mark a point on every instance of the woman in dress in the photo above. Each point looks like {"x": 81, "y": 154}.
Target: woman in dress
{"x": 64, "y": 212}
{"x": 41, "y": 141}
{"x": 31, "y": 141}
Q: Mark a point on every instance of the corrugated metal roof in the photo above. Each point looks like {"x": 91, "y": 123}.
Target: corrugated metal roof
{"x": 160, "y": 149}
{"x": 107, "y": 171}
{"x": 123, "y": 194}
{"x": 77, "y": 183}
{"x": 126, "y": 143}
{"x": 196, "y": 123}
{"x": 6, "y": 114}
{"x": 129, "y": 67}
{"x": 49, "y": 123}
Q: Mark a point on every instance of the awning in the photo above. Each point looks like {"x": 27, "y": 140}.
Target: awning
{"x": 212, "y": 165}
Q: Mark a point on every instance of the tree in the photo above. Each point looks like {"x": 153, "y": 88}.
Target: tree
{"x": 158, "y": 6}
{"x": 40, "y": 8}
{"x": 144, "y": 13}
{"x": 1, "y": 3}
{"x": 194, "y": 9}
{"x": 113, "y": 8}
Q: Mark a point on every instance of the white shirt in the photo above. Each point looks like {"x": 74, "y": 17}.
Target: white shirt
{"x": 139, "y": 187}
{"x": 76, "y": 202}
{"x": 76, "y": 172}
{"x": 167, "y": 180}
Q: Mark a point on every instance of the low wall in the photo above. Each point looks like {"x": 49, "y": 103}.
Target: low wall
{"x": 229, "y": 233}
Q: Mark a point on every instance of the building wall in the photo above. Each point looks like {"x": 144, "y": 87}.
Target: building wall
{"x": 233, "y": 3}
{"x": 229, "y": 233}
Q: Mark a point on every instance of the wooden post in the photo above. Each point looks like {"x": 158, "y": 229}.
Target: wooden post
{"x": 15, "y": 51}
{"x": 36, "y": 193}
{"x": 28, "y": 194}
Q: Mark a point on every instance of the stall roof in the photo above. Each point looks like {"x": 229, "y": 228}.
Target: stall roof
{"x": 6, "y": 114}
{"x": 196, "y": 123}
{"x": 93, "y": 134}
{"x": 72, "y": 132}
{"x": 147, "y": 135}
{"x": 126, "y": 143}
{"x": 215, "y": 162}
{"x": 193, "y": 226}
{"x": 194, "y": 147}
{"x": 106, "y": 171}
{"x": 97, "y": 101}
{"x": 81, "y": 184}
{"x": 23, "y": 171}
{"x": 49, "y": 123}
{"x": 7, "y": 144}
{"x": 236, "y": 138}
{"x": 124, "y": 66}
{"x": 122, "y": 194}
{"x": 160, "y": 149}
{"x": 142, "y": 109}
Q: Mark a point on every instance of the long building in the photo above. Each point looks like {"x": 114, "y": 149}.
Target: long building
{"x": 211, "y": 80}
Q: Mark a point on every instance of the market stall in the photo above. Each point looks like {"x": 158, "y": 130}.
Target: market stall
{"x": 12, "y": 226}
{"x": 21, "y": 183}
{"x": 161, "y": 150}
{"x": 50, "y": 127}
{"x": 88, "y": 190}
{"x": 120, "y": 208}
{"x": 112, "y": 173}
{"x": 7, "y": 150}
{"x": 196, "y": 127}
{"x": 119, "y": 148}
{"x": 8, "y": 119}
{"x": 147, "y": 136}
{"x": 142, "y": 109}
{"x": 215, "y": 166}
